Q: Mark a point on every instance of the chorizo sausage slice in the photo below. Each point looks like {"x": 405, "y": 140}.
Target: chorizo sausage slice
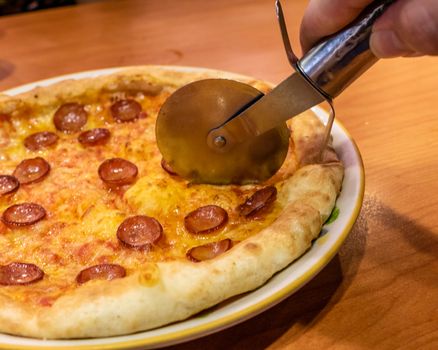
{"x": 166, "y": 166}
{"x": 206, "y": 219}
{"x": 31, "y": 170}
{"x": 40, "y": 140}
{"x": 70, "y": 117}
{"x": 102, "y": 272}
{"x": 94, "y": 137}
{"x": 8, "y": 185}
{"x": 139, "y": 231}
{"x": 260, "y": 201}
{"x": 208, "y": 251}
{"x": 118, "y": 172}
{"x": 125, "y": 110}
{"x": 23, "y": 214}
{"x": 18, "y": 273}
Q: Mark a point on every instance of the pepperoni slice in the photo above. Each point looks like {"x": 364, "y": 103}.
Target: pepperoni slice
{"x": 167, "y": 167}
{"x": 94, "y": 137}
{"x": 40, "y": 140}
{"x": 23, "y": 214}
{"x": 101, "y": 272}
{"x": 17, "y": 273}
{"x": 139, "y": 231}
{"x": 118, "y": 172}
{"x": 125, "y": 110}
{"x": 8, "y": 184}
{"x": 32, "y": 170}
{"x": 258, "y": 202}
{"x": 206, "y": 219}
{"x": 208, "y": 251}
{"x": 70, "y": 117}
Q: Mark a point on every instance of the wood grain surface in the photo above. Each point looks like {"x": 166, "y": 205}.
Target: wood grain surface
{"x": 381, "y": 290}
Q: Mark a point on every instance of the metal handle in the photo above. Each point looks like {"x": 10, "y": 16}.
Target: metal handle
{"x": 340, "y": 59}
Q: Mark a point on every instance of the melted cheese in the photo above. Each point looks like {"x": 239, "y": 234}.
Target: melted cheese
{"x": 83, "y": 214}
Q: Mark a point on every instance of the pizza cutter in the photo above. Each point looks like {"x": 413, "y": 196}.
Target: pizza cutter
{"x": 223, "y": 131}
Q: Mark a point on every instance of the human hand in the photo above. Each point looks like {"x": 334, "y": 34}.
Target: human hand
{"x": 407, "y": 28}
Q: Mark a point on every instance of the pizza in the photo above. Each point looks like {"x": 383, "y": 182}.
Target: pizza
{"x": 100, "y": 237}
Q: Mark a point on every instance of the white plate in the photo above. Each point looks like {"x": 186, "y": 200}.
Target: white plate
{"x": 229, "y": 313}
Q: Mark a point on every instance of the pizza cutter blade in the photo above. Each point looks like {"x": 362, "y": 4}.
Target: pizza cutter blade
{"x": 186, "y": 120}
{"x": 221, "y": 131}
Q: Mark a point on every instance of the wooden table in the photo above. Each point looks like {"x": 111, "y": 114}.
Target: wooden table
{"x": 381, "y": 290}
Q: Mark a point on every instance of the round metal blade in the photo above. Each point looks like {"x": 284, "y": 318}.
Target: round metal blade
{"x": 188, "y": 115}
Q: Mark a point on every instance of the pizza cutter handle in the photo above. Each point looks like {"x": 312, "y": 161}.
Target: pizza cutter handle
{"x": 337, "y": 61}
{"x": 329, "y": 67}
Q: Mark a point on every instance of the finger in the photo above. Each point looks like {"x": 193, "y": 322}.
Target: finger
{"x": 325, "y": 17}
{"x": 408, "y": 28}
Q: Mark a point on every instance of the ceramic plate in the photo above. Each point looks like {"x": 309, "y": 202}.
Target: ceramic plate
{"x": 229, "y": 313}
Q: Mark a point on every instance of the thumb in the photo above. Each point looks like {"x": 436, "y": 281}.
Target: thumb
{"x": 408, "y": 28}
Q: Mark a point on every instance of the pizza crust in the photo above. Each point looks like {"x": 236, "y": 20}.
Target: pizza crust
{"x": 149, "y": 80}
{"x": 166, "y": 292}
